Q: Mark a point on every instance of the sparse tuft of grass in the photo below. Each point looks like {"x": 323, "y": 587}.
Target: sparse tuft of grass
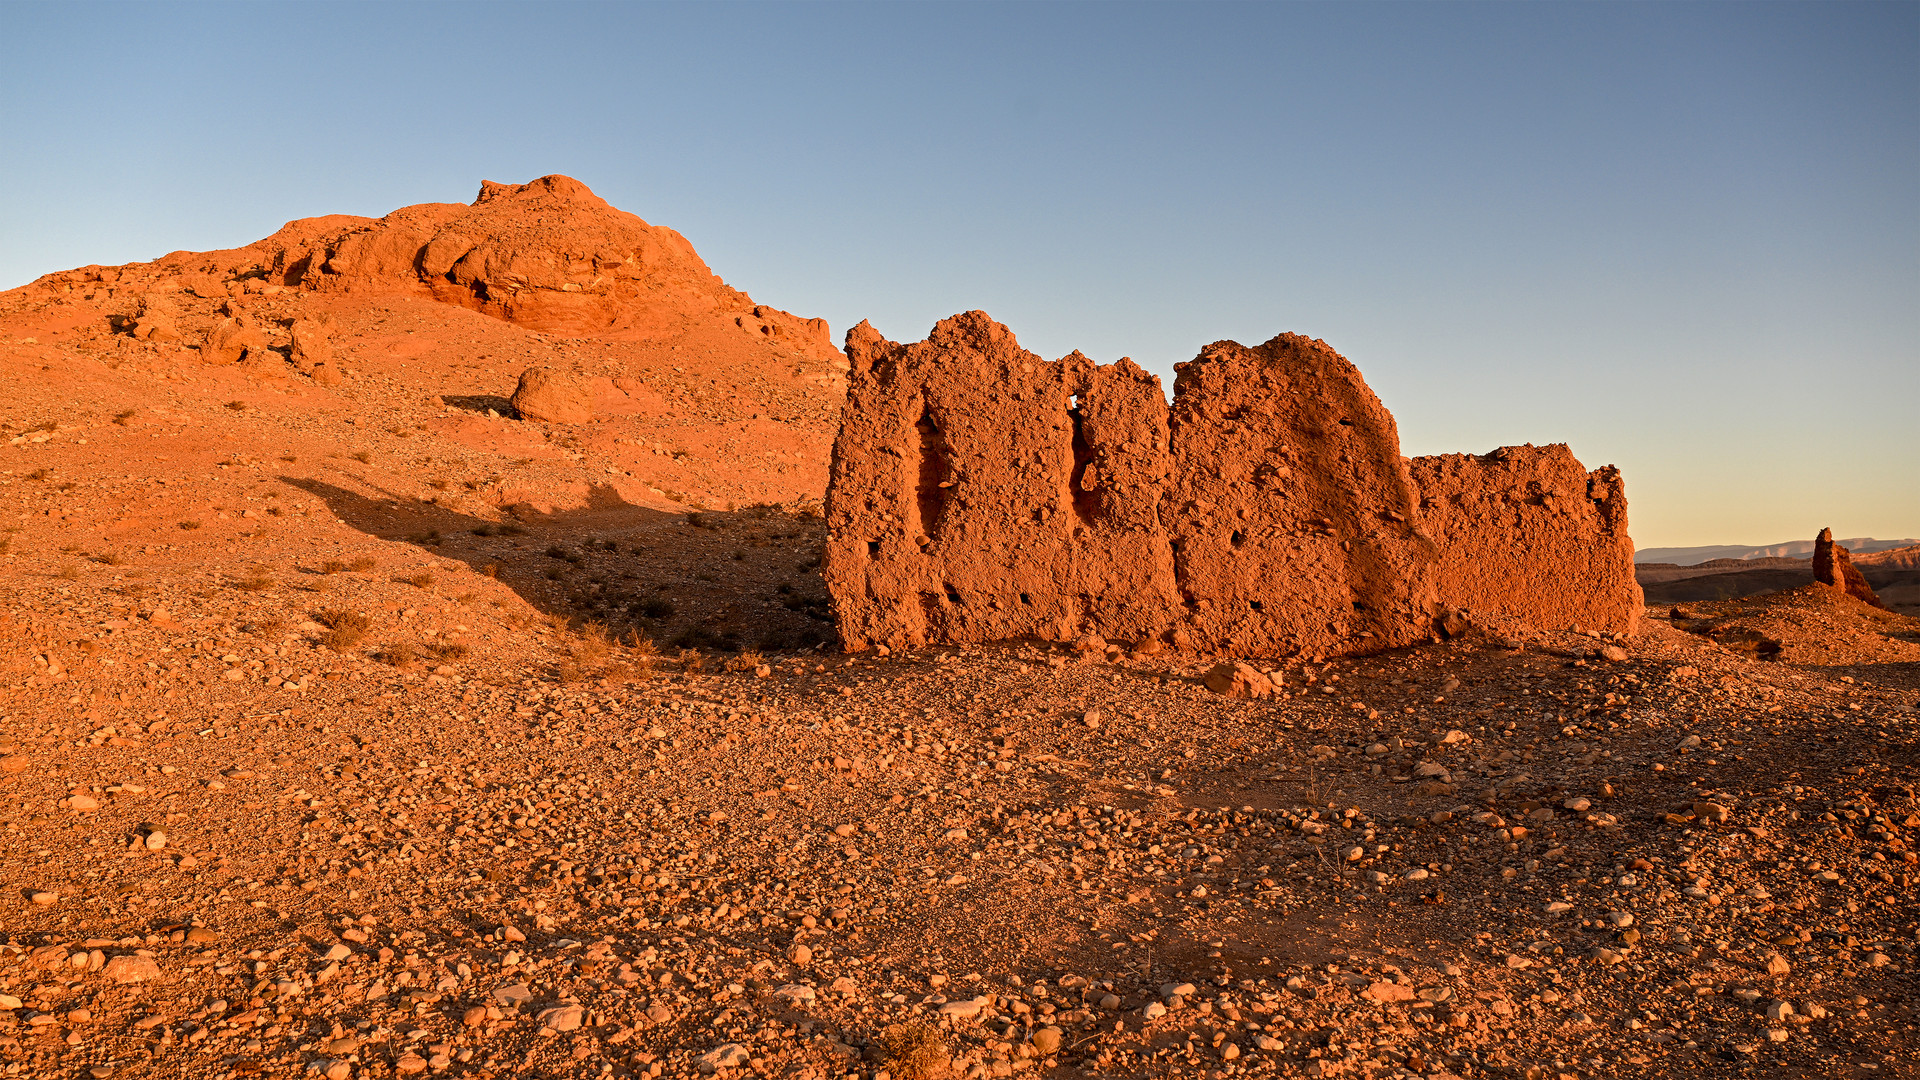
{"x": 437, "y": 485}
{"x": 256, "y": 580}
{"x": 237, "y": 406}
{"x": 190, "y": 525}
{"x": 422, "y": 580}
{"x": 70, "y": 572}
{"x": 363, "y": 563}
{"x": 345, "y": 629}
{"x": 915, "y": 1050}
{"x": 449, "y": 650}
{"x": 39, "y": 474}
{"x": 396, "y": 654}
{"x": 482, "y": 529}
{"x": 271, "y": 629}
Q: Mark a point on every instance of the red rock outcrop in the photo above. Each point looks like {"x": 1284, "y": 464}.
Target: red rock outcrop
{"x": 1527, "y": 533}
{"x": 1833, "y": 566}
{"x": 1291, "y": 514}
{"x": 980, "y": 493}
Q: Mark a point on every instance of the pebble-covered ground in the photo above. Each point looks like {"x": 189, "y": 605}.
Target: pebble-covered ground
{"x": 231, "y": 850}
{"x": 330, "y": 745}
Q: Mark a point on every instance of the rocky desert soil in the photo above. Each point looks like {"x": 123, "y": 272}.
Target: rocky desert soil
{"x": 353, "y": 732}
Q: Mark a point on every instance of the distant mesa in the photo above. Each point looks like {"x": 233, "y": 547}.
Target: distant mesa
{"x": 1792, "y": 549}
{"x": 979, "y": 493}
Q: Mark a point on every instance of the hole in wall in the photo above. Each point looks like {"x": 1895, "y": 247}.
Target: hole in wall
{"x": 929, "y": 495}
{"x": 1086, "y": 504}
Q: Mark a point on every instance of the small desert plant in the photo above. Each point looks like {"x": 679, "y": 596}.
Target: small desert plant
{"x": 237, "y": 406}
{"x": 122, "y": 418}
{"x": 344, "y": 629}
{"x": 422, "y": 580}
{"x": 437, "y": 485}
{"x": 492, "y": 569}
{"x": 70, "y": 572}
{"x": 396, "y": 654}
{"x": 288, "y": 458}
{"x": 40, "y": 474}
{"x": 111, "y": 558}
{"x": 333, "y": 566}
{"x": 512, "y": 528}
{"x": 255, "y": 581}
{"x": 362, "y": 456}
{"x": 482, "y": 529}
{"x": 746, "y": 661}
{"x": 656, "y": 607}
{"x": 271, "y": 629}
{"x": 364, "y": 562}
{"x": 449, "y": 650}
{"x": 915, "y": 1050}
{"x": 190, "y": 525}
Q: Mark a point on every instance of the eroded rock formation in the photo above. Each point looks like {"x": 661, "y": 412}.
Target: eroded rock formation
{"x": 1527, "y": 533}
{"x": 1290, "y": 512}
{"x": 1833, "y": 566}
{"x": 980, "y": 493}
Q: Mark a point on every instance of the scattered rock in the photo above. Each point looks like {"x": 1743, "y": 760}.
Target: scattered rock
{"x": 553, "y": 397}
{"x": 1237, "y": 680}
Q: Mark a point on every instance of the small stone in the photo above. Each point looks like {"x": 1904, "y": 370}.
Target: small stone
{"x": 1418, "y": 873}
{"x": 964, "y": 1009}
{"x": 1153, "y": 1010}
{"x": 337, "y": 952}
{"x": 512, "y": 933}
{"x": 1385, "y": 992}
{"x": 84, "y": 803}
{"x": 563, "y": 1017}
{"x": 1177, "y": 990}
{"x": 726, "y": 1056}
{"x": 1268, "y": 1044}
{"x": 410, "y": 1064}
{"x": 1712, "y": 811}
{"x": 1559, "y": 907}
{"x": 1779, "y": 1010}
{"x": 45, "y": 899}
{"x": 131, "y": 969}
{"x": 475, "y": 1016}
{"x": 1109, "y": 1002}
{"x": 1778, "y": 1035}
{"x": 15, "y": 763}
{"x": 512, "y": 994}
{"x": 1620, "y": 919}
{"x": 1777, "y": 965}
{"x": 1352, "y": 853}
{"x": 1237, "y": 680}
{"x": 1613, "y": 654}
{"x": 1230, "y": 1051}
{"x": 156, "y": 839}
{"x": 1046, "y": 1040}
{"x": 1878, "y": 959}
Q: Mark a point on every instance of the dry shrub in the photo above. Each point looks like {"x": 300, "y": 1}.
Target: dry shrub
{"x": 255, "y": 581}
{"x": 746, "y": 661}
{"x": 271, "y": 629}
{"x": 592, "y": 646}
{"x": 396, "y": 654}
{"x": 449, "y": 650}
{"x": 915, "y": 1050}
{"x": 190, "y": 525}
{"x": 122, "y": 418}
{"x": 422, "y": 580}
{"x": 345, "y": 629}
{"x": 112, "y": 558}
{"x": 333, "y": 566}
{"x": 362, "y": 456}
{"x": 364, "y": 562}
{"x": 70, "y": 572}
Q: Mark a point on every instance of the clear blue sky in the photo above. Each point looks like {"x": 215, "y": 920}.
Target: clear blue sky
{"x": 1683, "y": 238}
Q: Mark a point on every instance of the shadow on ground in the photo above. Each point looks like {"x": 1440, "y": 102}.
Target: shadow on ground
{"x": 746, "y": 579}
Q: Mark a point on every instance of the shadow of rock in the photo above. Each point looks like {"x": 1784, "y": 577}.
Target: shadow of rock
{"x": 746, "y": 579}
{"x": 480, "y": 403}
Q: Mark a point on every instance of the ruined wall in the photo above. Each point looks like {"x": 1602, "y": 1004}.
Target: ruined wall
{"x": 980, "y": 493}
{"x": 1528, "y": 533}
{"x": 1290, "y": 509}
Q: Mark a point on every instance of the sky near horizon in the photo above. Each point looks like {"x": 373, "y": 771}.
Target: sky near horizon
{"x": 1683, "y": 238}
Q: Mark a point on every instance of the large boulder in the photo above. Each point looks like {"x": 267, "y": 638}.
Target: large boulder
{"x": 312, "y": 344}
{"x": 553, "y": 397}
{"x": 232, "y": 339}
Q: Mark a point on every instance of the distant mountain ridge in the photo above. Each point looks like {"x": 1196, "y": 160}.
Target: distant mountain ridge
{"x": 1794, "y": 549}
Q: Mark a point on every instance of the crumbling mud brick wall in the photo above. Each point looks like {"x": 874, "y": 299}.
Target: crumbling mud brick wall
{"x": 980, "y": 493}
{"x": 1527, "y": 533}
{"x": 1290, "y": 510}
